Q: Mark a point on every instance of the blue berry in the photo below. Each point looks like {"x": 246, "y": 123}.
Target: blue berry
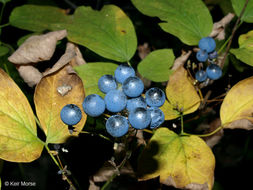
{"x": 117, "y": 125}
{"x": 157, "y": 117}
{"x": 139, "y": 118}
{"x": 155, "y": 97}
{"x": 202, "y": 55}
{"x": 123, "y": 72}
{"x": 201, "y": 76}
{"x": 135, "y": 103}
{"x": 213, "y": 55}
{"x": 107, "y": 83}
{"x": 93, "y": 105}
{"x": 71, "y": 114}
{"x": 207, "y": 44}
{"x": 213, "y": 71}
{"x": 133, "y": 87}
{"x": 115, "y": 101}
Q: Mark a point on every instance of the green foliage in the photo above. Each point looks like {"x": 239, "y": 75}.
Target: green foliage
{"x": 245, "y": 50}
{"x": 189, "y": 20}
{"x": 157, "y": 65}
{"x": 109, "y": 32}
{"x": 248, "y": 13}
{"x": 90, "y": 74}
{"x": 3, "y": 50}
{"x": 38, "y": 18}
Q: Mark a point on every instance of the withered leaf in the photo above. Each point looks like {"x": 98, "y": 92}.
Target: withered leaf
{"x": 37, "y": 48}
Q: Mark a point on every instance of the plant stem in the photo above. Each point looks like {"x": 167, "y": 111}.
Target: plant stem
{"x": 233, "y": 33}
{"x": 59, "y": 166}
{"x": 182, "y": 124}
{"x": 208, "y": 134}
{"x": 4, "y": 25}
{"x": 2, "y": 11}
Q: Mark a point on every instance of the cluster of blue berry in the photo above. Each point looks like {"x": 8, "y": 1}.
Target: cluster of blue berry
{"x": 124, "y": 98}
{"x": 207, "y": 51}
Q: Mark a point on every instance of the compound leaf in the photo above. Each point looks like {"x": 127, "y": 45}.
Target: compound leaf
{"x": 38, "y": 18}
{"x": 18, "y": 131}
{"x": 180, "y": 161}
{"x": 156, "y": 66}
{"x": 90, "y": 74}
{"x": 248, "y": 13}
{"x": 245, "y": 50}
{"x": 51, "y": 94}
{"x": 237, "y": 108}
{"x": 109, "y": 32}
{"x": 181, "y": 93}
{"x": 189, "y": 20}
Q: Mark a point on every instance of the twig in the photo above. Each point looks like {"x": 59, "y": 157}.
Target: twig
{"x": 233, "y": 33}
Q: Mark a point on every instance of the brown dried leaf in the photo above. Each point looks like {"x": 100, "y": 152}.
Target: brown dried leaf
{"x": 30, "y": 74}
{"x": 64, "y": 59}
{"x": 37, "y": 48}
{"x": 218, "y": 31}
{"x": 180, "y": 61}
{"x": 78, "y": 59}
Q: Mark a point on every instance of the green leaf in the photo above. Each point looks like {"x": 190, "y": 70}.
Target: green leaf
{"x": 248, "y": 13}
{"x": 180, "y": 161}
{"x": 90, "y": 74}
{"x": 38, "y": 18}
{"x": 245, "y": 50}
{"x": 189, "y": 20}
{"x": 109, "y": 32}
{"x": 3, "y": 50}
{"x": 156, "y": 66}
{"x": 18, "y": 131}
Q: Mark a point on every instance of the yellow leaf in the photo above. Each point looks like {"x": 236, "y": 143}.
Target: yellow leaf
{"x": 18, "y": 131}
{"x": 181, "y": 94}
{"x": 180, "y": 161}
{"x": 51, "y": 94}
{"x": 169, "y": 112}
{"x": 238, "y": 106}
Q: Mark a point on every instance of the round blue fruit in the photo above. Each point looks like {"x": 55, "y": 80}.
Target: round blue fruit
{"x": 71, "y": 114}
{"x": 93, "y": 105}
{"x": 134, "y": 103}
{"x": 200, "y": 76}
{"x": 133, "y": 86}
{"x": 139, "y": 118}
{"x": 115, "y": 101}
{"x": 117, "y": 125}
{"x": 207, "y": 44}
{"x": 107, "y": 83}
{"x": 123, "y": 72}
{"x": 157, "y": 117}
{"x": 155, "y": 97}
{"x": 202, "y": 55}
{"x": 213, "y": 71}
{"x": 213, "y": 55}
